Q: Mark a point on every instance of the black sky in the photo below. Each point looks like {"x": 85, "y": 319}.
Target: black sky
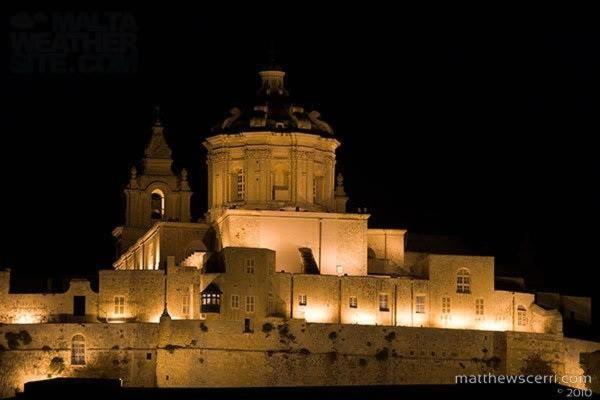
{"x": 481, "y": 128}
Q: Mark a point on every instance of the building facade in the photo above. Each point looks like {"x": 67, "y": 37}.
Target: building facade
{"x": 277, "y": 276}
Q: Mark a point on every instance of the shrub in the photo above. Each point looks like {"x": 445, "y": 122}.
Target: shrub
{"x": 57, "y": 365}
{"x": 390, "y": 336}
{"x": 14, "y": 340}
{"x": 332, "y": 356}
{"x": 382, "y": 354}
{"x": 362, "y": 362}
{"x": 172, "y": 347}
{"x": 267, "y": 327}
{"x": 332, "y": 335}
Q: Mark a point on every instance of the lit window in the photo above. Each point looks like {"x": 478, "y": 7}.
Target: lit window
{"x": 157, "y": 204}
{"x": 119, "y": 305}
{"x": 383, "y": 302}
{"x": 479, "y": 308}
{"x": 211, "y": 299}
{"x": 353, "y": 303}
{"x": 463, "y": 281}
{"x": 250, "y": 265}
{"x": 521, "y": 316}
{"x": 250, "y": 304}
{"x": 420, "y": 304}
{"x": 186, "y": 305}
{"x": 78, "y": 350}
{"x": 240, "y": 185}
{"x": 235, "y": 301}
{"x": 302, "y": 300}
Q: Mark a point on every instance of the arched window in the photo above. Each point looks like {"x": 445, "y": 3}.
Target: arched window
{"x": 157, "y": 204}
{"x": 78, "y": 350}
{"x": 463, "y": 281}
{"x": 521, "y": 315}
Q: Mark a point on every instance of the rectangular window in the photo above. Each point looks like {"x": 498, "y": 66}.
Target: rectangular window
{"x": 119, "y": 305}
{"x": 270, "y": 304}
{"x": 353, "y": 302}
{"x": 235, "y": 302}
{"x": 446, "y": 305}
{"x": 479, "y": 310}
{"x": 301, "y": 299}
{"x": 250, "y": 265}
{"x": 185, "y": 309}
{"x": 420, "y": 304}
{"x": 240, "y": 186}
{"x": 250, "y": 304}
{"x": 79, "y": 306}
{"x": 383, "y": 302}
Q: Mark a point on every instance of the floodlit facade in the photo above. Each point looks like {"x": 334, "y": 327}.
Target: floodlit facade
{"x": 278, "y": 275}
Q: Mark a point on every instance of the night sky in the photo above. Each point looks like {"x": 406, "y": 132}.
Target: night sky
{"x": 482, "y": 130}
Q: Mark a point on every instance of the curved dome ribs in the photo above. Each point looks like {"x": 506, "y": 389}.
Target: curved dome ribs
{"x": 273, "y": 111}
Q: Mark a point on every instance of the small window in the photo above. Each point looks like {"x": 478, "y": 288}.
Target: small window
{"x": 250, "y": 304}
{"x": 479, "y": 308}
{"x": 302, "y": 300}
{"x": 235, "y": 302}
{"x": 186, "y": 305}
{"x": 119, "y": 305}
{"x": 521, "y": 315}
{"x": 250, "y": 265}
{"x": 446, "y": 305}
{"x": 78, "y": 350}
{"x": 383, "y": 302}
{"x": 247, "y": 325}
{"x": 463, "y": 281}
{"x": 148, "y": 356}
{"x": 353, "y": 302}
{"x": 240, "y": 185}
{"x": 420, "y": 304}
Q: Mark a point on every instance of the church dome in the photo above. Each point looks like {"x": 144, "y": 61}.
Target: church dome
{"x": 273, "y": 110}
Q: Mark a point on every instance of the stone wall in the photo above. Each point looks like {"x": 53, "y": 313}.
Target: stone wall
{"x": 46, "y": 307}
{"x": 338, "y": 241}
{"x": 219, "y": 353}
{"x": 42, "y": 351}
{"x": 194, "y": 353}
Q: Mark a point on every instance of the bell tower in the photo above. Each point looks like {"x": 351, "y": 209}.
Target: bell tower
{"x": 156, "y": 194}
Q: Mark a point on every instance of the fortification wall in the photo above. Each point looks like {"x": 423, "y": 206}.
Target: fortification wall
{"x": 42, "y": 351}
{"x": 180, "y": 353}
{"x": 218, "y": 353}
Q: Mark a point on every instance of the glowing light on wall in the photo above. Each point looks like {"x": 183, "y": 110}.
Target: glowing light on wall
{"x": 317, "y": 314}
{"x": 27, "y": 318}
{"x": 363, "y": 318}
{"x": 494, "y": 325}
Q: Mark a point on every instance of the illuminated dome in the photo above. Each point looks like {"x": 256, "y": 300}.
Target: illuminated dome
{"x": 273, "y": 110}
